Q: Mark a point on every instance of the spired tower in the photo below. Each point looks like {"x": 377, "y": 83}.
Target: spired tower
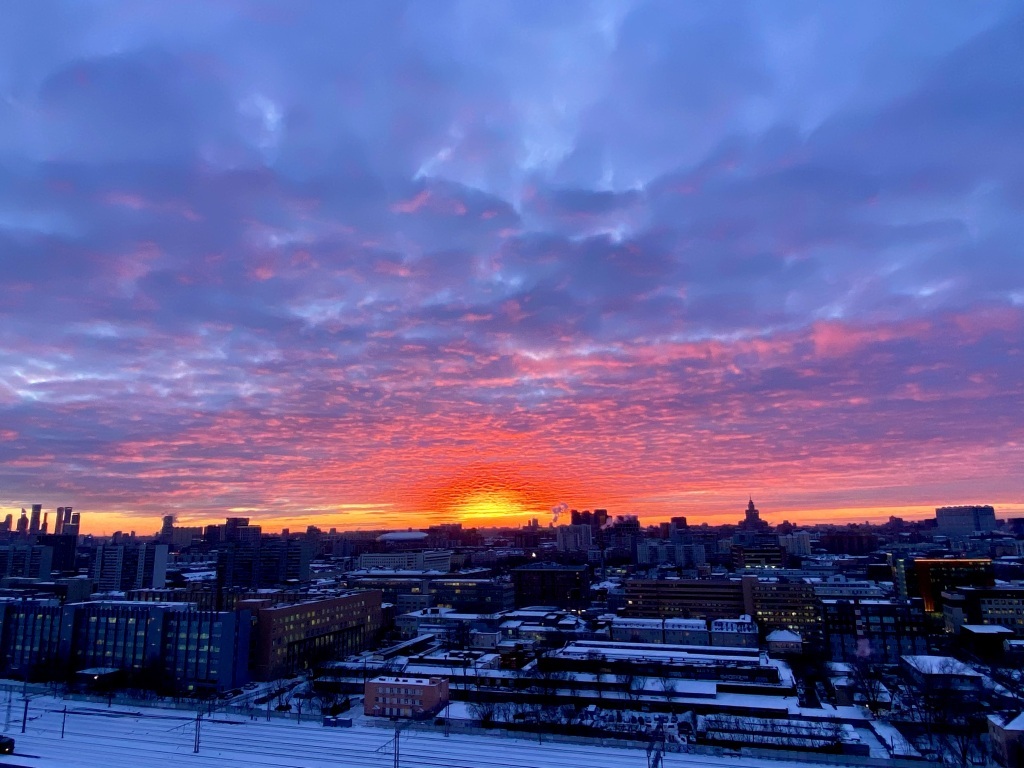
{"x": 752, "y": 522}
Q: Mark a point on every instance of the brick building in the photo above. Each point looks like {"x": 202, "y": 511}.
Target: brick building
{"x": 405, "y": 696}
{"x": 295, "y": 636}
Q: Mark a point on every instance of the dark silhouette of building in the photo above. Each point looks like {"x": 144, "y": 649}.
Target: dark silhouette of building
{"x": 689, "y": 598}
{"x": 928, "y": 578}
{"x": 121, "y": 567}
{"x": 752, "y": 522}
{"x": 64, "y": 551}
{"x": 965, "y": 520}
{"x": 265, "y": 562}
{"x": 33, "y": 526}
{"x": 563, "y": 586}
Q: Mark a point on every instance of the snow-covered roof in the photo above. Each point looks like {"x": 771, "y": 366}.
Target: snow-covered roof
{"x": 987, "y": 629}
{"x": 939, "y": 665}
{"x": 783, "y": 636}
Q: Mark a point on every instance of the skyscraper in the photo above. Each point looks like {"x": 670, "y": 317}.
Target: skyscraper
{"x": 37, "y": 513}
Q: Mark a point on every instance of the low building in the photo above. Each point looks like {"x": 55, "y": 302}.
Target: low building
{"x": 784, "y": 642}
{"x": 689, "y": 598}
{"x": 1006, "y": 735}
{"x": 412, "y": 697}
{"x": 672, "y": 631}
{"x": 424, "y": 560}
{"x": 734, "y": 633}
{"x": 941, "y": 672}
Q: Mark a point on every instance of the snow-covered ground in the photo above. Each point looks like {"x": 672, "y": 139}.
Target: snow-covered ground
{"x": 101, "y": 737}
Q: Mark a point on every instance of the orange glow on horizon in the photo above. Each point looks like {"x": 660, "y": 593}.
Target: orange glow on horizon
{"x": 497, "y": 508}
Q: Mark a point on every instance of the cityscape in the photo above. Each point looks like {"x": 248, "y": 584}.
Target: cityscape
{"x": 511, "y": 384}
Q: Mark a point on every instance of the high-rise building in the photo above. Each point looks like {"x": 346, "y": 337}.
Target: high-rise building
{"x": 37, "y": 512}
{"x": 965, "y": 520}
{"x": 928, "y": 578}
{"x": 26, "y": 560}
{"x": 23, "y": 522}
{"x": 564, "y": 586}
{"x": 875, "y": 629}
{"x": 787, "y": 604}
{"x": 121, "y": 567}
{"x": 58, "y": 523}
{"x": 574, "y": 538}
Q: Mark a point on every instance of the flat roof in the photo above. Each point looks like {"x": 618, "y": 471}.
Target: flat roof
{"x": 403, "y": 680}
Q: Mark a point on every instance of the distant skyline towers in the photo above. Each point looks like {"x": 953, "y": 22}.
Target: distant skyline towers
{"x": 37, "y": 511}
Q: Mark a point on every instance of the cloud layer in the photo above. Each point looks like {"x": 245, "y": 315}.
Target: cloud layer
{"x": 388, "y": 262}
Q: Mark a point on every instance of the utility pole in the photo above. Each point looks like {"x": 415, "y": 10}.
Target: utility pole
{"x": 24, "y": 717}
{"x": 64, "y": 722}
{"x": 398, "y": 734}
{"x": 199, "y": 718}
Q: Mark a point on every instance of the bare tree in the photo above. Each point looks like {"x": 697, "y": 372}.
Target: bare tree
{"x": 868, "y": 679}
{"x": 484, "y": 711}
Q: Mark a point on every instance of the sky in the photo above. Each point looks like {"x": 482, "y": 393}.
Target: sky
{"x": 387, "y": 264}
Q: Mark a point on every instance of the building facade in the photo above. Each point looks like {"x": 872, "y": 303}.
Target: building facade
{"x": 297, "y": 636}
{"x": 411, "y": 697}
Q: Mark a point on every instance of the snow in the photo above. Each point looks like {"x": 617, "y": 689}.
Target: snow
{"x": 939, "y": 665}
{"x": 142, "y": 737}
{"x": 783, "y": 636}
{"x": 895, "y": 741}
{"x": 987, "y": 629}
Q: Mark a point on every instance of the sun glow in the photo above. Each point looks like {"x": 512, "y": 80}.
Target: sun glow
{"x": 491, "y": 505}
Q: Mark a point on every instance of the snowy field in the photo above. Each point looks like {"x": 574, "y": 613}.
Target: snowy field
{"x": 98, "y": 737}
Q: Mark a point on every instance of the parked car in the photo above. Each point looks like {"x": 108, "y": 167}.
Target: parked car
{"x": 6, "y": 745}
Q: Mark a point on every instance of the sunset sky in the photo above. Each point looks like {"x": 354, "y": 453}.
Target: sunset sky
{"x": 385, "y": 264}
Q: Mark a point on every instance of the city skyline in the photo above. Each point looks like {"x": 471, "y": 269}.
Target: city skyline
{"x": 384, "y": 265}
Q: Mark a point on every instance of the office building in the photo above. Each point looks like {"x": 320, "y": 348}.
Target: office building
{"x": 25, "y": 560}
{"x": 171, "y": 645}
{"x": 875, "y": 629}
{"x": 295, "y": 636}
{"x": 266, "y": 562}
{"x": 121, "y": 567}
{"x": 33, "y": 526}
{"x": 574, "y": 538}
{"x": 562, "y": 586}
{"x": 30, "y": 637}
{"x": 787, "y": 604}
{"x": 965, "y": 520}
{"x": 689, "y": 598}
{"x": 425, "y": 560}
{"x": 469, "y": 595}
{"x": 928, "y": 578}
{"x": 1001, "y": 606}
